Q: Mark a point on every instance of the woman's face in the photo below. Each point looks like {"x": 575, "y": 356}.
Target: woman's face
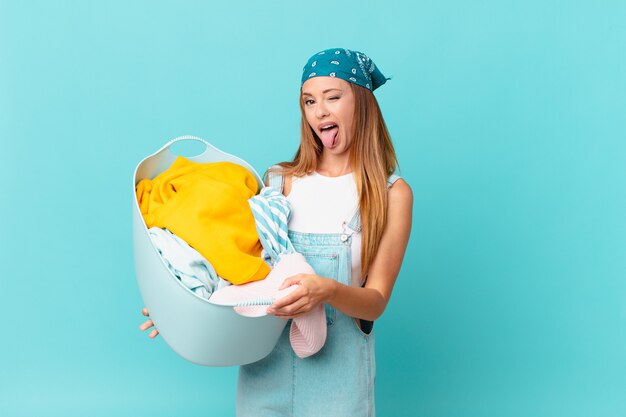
{"x": 329, "y": 109}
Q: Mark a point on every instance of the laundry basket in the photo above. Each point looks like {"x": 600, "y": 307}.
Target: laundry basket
{"x": 201, "y": 332}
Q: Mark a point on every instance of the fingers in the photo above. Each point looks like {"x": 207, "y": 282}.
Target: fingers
{"x": 298, "y": 306}
{"x": 296, "y": 279}
{"x": 146, "y": 325}
{"x": 286, "y": 300}
{"x": 286, "y": 283}
{"x": 294, "y": 311}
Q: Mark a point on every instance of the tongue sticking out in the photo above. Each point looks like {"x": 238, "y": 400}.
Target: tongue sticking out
{"x": 329, "y": 136}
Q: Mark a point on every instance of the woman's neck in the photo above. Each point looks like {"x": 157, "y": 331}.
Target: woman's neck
{"x": 334, "y": 165}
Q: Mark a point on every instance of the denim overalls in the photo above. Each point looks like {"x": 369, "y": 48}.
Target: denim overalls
{"x": 338, "y": 381}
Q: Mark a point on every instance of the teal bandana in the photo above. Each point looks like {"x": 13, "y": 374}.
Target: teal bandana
{"x": 352, "y": 66}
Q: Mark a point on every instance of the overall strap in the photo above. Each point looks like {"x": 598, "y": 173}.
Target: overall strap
{"x": 277, "y": 181}
{"x": 355, "y": 222}
{"x": 392, "y": 180}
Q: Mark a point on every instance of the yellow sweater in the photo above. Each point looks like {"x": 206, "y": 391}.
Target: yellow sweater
{"x": 206, "y": 204}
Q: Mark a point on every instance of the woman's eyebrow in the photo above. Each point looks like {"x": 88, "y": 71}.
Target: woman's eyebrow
{"x": 323, "y": 92}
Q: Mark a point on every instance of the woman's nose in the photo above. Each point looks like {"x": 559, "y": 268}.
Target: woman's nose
{"x": 320, "y": 110}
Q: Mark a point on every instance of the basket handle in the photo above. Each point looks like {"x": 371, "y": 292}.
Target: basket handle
{"x": 180, "y": 139}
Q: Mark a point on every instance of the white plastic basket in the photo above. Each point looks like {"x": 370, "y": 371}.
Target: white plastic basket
{"x": 195, "y": 329}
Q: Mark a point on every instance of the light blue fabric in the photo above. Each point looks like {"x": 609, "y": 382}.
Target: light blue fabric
{"x": 271, "y": 211}
{"x": 338, "y": 381}
{"x": 193, "y": 270}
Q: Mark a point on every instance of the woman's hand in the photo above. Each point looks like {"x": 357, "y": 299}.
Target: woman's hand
{"x": 313, "y": 290}
{"x": 147, "y": 324}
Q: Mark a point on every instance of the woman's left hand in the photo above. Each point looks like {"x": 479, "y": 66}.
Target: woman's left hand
{"x": 312, "y": 290}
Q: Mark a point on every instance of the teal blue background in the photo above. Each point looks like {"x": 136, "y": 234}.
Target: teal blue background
{"x": 508, "y": 119}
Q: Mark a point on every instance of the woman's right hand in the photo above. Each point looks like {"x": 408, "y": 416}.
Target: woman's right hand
{"x": 147, "y": 324}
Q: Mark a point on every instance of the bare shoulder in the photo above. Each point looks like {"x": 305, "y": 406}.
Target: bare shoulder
{"x": 400, "y": 195}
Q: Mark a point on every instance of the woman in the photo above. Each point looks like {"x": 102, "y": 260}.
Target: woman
{"x": 351, "y": 219}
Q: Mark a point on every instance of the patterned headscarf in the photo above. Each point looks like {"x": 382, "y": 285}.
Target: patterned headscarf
{"x": 352, "y": 66}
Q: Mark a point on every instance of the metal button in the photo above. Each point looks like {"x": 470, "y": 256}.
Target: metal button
{"x": 344, "y": 238}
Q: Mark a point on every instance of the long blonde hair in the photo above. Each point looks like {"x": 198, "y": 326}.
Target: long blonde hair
{"x": 373, "y": 160}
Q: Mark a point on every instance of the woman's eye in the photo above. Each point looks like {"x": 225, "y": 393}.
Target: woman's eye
{"x": 307, "y": 102}
{"x": 333, "y": 98}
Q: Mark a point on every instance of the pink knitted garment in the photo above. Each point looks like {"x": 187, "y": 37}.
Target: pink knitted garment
{"x": 308, "y": 332}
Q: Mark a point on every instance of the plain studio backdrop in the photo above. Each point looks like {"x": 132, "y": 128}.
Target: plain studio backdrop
{"x": 508, "y": 118}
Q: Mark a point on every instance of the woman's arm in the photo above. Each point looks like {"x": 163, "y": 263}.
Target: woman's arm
{"x": 366, "y": 303}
